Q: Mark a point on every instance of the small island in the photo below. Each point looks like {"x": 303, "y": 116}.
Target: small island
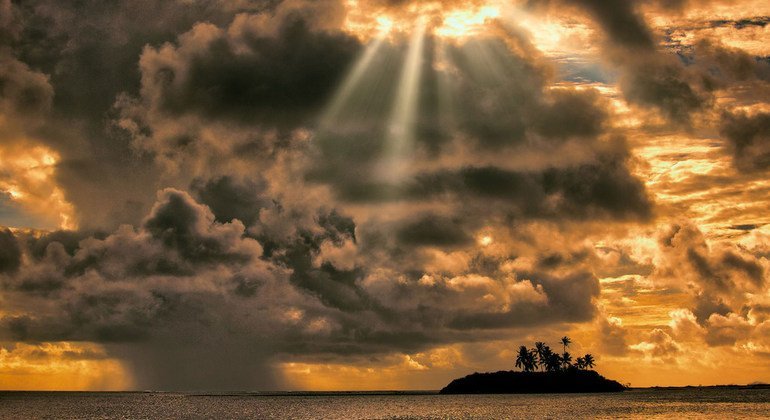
{"x": 543, "y": 371}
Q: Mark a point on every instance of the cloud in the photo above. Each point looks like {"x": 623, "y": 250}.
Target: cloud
{"x": 761, "y": 21}
{"x": 658, "y": 345}
{"x": 621, "y": 22}
{"x": 748, "y": 139}
{"x": 726, "y": 330}
{"x": 10, "y": 252}
{"x": 260, "y": 70}
{"x": 590, "y": 190}
{"x": 69, "y": 60}
{"x": 613, "y": 336}
{"x": 184, "y": 284}
{"x": 24, "y": 91}
{"x": 230, "y": 199}
{"x": 179, "y": 276}
{"x": 723, "y": 281}
{"x": 433, "y": 230}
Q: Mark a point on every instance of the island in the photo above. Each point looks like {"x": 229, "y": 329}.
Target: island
{"x": 557, "y": 374}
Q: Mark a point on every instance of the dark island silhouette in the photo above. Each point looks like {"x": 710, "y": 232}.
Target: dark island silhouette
{"x": 542, "y": 371}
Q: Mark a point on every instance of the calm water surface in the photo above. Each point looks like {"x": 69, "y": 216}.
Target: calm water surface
{"x": 679, "y": 404}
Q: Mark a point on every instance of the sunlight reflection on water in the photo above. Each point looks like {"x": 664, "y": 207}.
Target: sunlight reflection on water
{"x": 690, "y": 403}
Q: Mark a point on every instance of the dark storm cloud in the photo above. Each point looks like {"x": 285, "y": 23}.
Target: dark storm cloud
{"x": 748, "y": 139}
{"x": 90, "y": 48}
{"x": 10, "y": 252}
{"x": 591, "y": 190}
{"x": 23, "y": 91}
{"x": 82, "y": 54}
{"x": 181, "y": 224}
{"x": 179, "y": 284}
{"x": 178, "y": 239}
{"x": 257, "y": 75}
{"x": 229, "y": 198}
{"x": 333, "y": 287}
{"x": 663, "y": 82}
{"x": 583, "y": 191}
{"x": 432, "y": 229}
{"x": 181, "y": 266}
{"x": 68, "y": 240}
{"x": 621, "y": 21}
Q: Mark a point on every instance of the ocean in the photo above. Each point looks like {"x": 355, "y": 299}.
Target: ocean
{"x": 700, "y": 403}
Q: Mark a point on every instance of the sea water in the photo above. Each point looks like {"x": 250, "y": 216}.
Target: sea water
{"x": 697, "y": 403}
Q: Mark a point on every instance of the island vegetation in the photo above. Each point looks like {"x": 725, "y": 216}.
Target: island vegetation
{"x": 543, "y": 370}
{"x": 542, "y": 357}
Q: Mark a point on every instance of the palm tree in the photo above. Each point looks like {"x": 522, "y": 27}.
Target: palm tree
{"x": 525, "y": 359}
{"x": 580, "y": 363}
{"x": 565, "y": 342}
{"x": 553, "y": 362}
{"x": 532, "y": 360}
{"x": 541, "y": 356}
{"x": 546, "y": 357}
{"x": 540, "y": 348}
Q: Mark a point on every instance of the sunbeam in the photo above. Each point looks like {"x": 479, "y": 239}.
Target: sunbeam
{"x": 482, "y": 63}
{"x": 446, "y": 89}
{"x": 352, "y": 82}
{"x": 400, "y": 136}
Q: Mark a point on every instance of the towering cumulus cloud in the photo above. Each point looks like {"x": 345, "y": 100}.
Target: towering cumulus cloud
{"x": 363, "y": 194}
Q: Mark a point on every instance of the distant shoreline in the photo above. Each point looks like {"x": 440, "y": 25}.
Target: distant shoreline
{"x": 684, "y": 387}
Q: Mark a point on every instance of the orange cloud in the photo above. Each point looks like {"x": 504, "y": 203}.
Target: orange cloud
{"x": 28, "y": 177}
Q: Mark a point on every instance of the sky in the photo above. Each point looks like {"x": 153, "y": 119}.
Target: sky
{"x": 381, "y": 194}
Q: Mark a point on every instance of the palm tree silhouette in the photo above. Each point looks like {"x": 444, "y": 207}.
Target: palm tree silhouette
{"x": 525, "y": 359}
{"x": 566, "y": 358}
{"x": 541, "y": 348}
{"x": 553, "y": 362}
{"x": 542, "y": 356}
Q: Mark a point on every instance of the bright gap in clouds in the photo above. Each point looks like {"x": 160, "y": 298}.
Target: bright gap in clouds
{"x": 28, "y": 181}
{"x": 409, "y": 32}
{"x": 442, "y": 19}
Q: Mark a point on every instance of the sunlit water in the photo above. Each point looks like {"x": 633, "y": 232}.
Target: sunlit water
{"x": 689, "y": 403}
